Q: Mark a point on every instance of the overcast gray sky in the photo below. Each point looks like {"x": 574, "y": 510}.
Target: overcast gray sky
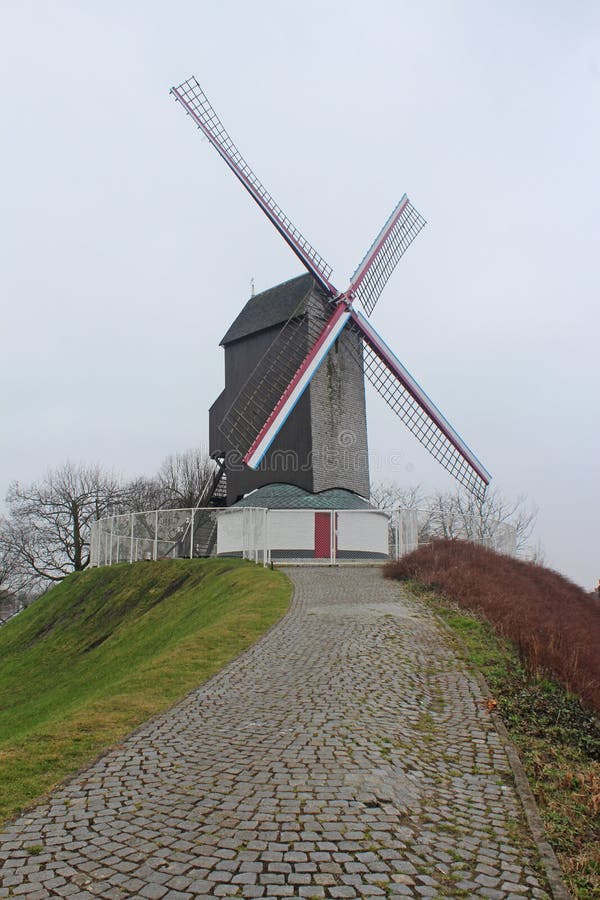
{"x": 126, "y": 246}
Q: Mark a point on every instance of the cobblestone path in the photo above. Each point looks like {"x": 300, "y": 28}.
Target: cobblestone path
{"x": 348, "y": 754}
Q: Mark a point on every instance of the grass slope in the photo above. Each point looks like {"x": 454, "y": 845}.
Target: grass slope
{"x": 499, "y": 608}
{"x": 108, "y": 648}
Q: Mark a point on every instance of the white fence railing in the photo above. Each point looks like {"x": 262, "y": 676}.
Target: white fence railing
{"x": 262, "y": 535}
{"x": 173, "y": 533}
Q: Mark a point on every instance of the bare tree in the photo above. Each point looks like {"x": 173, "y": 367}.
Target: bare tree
{"x": 8, "y": 606}
{"x": 11, "y": 598}
{"x": 461, "y": 515}
{"x": 391, "y": 495}
{"x": 185, "y": 478}
{"x": 142, "y": 495}
{"x": 493, "y": 520}
{"x": 48, "y": 525}
{"x": 443, "y": 519}
{"x": 12, "y": 603}
{"x": 7, "y": 561}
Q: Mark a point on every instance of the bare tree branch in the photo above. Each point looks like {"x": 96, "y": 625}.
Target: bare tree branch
{"x": 460, "y": 515}
{"x": 391, "y": 495}
{"x": 47, "y": 529}
{"x": 184, "y": 477}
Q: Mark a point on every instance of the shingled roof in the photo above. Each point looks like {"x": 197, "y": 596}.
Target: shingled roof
{"x": 271, "y": 308}
{"x": 290, "y": 496}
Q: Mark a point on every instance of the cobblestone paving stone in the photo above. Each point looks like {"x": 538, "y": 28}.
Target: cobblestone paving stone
{"x": 349, "y": 754}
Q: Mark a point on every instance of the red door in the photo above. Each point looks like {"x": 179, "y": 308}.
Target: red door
{"x": 322, "y": 535}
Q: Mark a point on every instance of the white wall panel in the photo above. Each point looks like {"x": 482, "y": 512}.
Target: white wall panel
{"x": 363, "y": 531}
{"x": 230, "y": 531}
{"x": 291, "y": 529}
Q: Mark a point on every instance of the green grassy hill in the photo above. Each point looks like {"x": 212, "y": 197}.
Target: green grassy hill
{"x": 108, "y": 648}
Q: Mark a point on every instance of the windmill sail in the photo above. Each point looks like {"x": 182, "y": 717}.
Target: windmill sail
{"x": 302, "y": 378}
{"x": 395, "y": 384}
{"x": 418, "y": 412}
{"x": 271, "y": 376}
{"x": 385, "y": 252}
{"x": 193, "y": 99}
{"x": 285, "y": 371}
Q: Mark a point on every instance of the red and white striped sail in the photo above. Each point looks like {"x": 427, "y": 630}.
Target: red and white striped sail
{"x": 418, "y": 412}
{"x": 297, "y": 386}
{"x": 385, "y": 252}
{"x": 196, "y": 104}
{"x": 396, "y": 385}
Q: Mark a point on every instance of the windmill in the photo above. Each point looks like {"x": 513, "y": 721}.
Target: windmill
{"x": 274, "y": 383}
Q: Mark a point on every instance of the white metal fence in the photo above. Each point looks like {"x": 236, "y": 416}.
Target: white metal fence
{"x": 172, "y": 533}
{"x": 316, "y": 536}
{"x": 491, "y": 533}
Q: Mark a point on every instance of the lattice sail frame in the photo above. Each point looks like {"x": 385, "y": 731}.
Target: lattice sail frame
{"x": 398, "y": 388}
{"x": 414, "y": 407}
{"x": 195, "y": 102}
{"x": 391, "y": 243}
{"x": 301, "y": 380}
{"x": 420, "y": 424}
{"x": 254, "y": 404}
{"x": 384, "y": 254}
{"x": 261, "y": 408}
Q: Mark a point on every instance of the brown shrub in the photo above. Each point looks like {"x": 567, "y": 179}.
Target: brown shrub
{"x": 553, "y": 622}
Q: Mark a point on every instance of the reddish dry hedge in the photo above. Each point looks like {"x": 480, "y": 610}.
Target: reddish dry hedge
{"x": 553, "y": 622}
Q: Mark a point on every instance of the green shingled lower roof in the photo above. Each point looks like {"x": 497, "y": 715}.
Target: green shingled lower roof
{"x": 289, "y": 496}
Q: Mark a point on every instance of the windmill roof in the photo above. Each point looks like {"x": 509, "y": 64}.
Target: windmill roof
{"x": 290, "y": 496}
{"x": 270, "y": 308}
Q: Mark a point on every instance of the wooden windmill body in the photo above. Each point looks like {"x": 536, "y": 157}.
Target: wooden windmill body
{"x": 323, "y": 445}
